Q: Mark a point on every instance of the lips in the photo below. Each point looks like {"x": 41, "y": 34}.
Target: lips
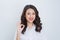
{"x": 31, "y": 19}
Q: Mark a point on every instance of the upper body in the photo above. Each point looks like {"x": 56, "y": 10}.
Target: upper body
{"x": 31, "y": 34}
{"x": 30, "y": 27}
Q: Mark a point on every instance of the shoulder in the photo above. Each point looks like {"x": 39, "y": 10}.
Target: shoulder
{"x": 42, "y": 35}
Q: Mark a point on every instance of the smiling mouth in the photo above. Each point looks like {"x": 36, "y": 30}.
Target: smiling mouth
{"x": 31, "y": 19}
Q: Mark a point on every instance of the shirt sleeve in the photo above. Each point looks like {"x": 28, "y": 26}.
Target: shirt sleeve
{"x": 42, "y": 35}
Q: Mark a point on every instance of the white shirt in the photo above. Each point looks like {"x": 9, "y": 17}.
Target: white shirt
{"x": 31, "y": 34}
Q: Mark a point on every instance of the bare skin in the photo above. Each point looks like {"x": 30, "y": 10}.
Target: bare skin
{"x": 19, "y": 29}
{"x": 30, "y": 17}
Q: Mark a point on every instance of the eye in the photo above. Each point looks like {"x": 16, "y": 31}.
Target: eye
{"x": 28, "y": 13}
{"x": 33, "y": 13}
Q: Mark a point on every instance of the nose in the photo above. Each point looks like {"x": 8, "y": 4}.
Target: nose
{"x": 31, "y": 15}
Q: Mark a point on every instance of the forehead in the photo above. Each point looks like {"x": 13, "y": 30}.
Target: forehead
{"x": 30, "y": 10}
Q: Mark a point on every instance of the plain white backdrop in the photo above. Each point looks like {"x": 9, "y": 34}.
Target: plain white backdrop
{"x": 10, "y": 12}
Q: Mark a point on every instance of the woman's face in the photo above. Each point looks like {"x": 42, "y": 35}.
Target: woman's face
{"x": 30, "y": 15}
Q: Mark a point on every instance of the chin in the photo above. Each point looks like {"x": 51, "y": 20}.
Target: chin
{"x": 31, "y": 21}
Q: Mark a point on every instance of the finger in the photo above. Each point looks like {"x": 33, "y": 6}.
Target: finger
{"x": 22, "y": 26}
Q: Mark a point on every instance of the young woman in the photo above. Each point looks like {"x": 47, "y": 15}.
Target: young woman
{"x": 30, "y": 26}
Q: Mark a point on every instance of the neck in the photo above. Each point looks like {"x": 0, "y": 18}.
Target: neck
{"x": 29, "y": 24}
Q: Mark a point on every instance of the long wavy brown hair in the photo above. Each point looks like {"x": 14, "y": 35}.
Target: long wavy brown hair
{"x": 37, "y": 20}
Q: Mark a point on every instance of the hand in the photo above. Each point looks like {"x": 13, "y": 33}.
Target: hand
{"x": 20, "y": 27}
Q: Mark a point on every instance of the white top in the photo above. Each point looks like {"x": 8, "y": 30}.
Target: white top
{"x": 31, "y": 34}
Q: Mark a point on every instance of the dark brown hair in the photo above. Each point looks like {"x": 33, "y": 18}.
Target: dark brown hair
{"x": 37, "y": 20}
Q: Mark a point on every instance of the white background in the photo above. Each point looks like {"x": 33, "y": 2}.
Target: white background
{"x": 10, "y": 11}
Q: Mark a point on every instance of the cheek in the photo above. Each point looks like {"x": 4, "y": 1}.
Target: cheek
{"x": 30, "y": 16}
{"x": 34, "y": 17}
{"x": 27, "y": 17}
